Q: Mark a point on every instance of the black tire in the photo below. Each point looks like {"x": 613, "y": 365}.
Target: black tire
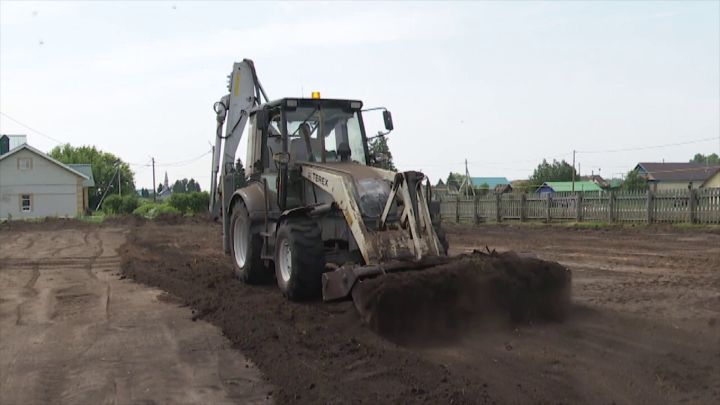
{"x": 442, "y": 237}
{"x": 302, "y": 279}
{"x": 248, "y": 267}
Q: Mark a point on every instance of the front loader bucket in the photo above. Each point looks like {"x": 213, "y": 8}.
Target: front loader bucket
{"x": 453, "y": 294}
{"x": 338, "y": 284}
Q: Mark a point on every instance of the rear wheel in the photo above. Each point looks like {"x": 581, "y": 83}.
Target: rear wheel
{"x": 299, "y": 258}
{"x": 245, "y": 247}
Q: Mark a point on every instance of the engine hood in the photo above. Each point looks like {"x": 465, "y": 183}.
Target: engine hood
{"x": 371, "y": 184}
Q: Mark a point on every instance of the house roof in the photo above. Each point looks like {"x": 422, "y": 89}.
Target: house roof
{"x": 15, "y": 140}
{"x": 42, "y": 155}
{"x": 85, "y": 169}
{"x": 492, "y": 182}
{"x": 707, "y": 181}
{"x": 561, "y": 186}
{"x": 597, "y": 179}
{"x": 676, "y": 171}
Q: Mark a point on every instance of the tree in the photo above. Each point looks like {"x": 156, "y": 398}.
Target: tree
{"x": 185, "y": 186}
{"x": 240, "y": 180}
{"x": 454, "y": 180}
{"x": 557, "y": 171}
{"x": 193, "y": 186}
{"x": 523, "y": 186}
{"x": 144, "y": 193}
{"x": 160, "y": 188}
{"x": 180, "y": 186}
{"x": 634, "y": 182}
{"x": 712, "y": 159}
{"x": 483, "y": 189}
{"x": 380, "y": 154}
{"x": 103, "y": 165}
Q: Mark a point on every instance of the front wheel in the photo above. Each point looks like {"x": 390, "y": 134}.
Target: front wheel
{"x": 246, "y": 247}
{"x": 299, "y": 258}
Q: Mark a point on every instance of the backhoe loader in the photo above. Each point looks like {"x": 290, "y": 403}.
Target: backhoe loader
{"x": 319, "y": 215}
{"x": 315, "y": 210}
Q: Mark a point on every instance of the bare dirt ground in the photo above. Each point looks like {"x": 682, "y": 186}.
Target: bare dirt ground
{"x": 644, "y": 326}
{"x": 71, "y": 331}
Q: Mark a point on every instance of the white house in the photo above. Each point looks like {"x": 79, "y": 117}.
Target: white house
{"x": 34, "y": 185}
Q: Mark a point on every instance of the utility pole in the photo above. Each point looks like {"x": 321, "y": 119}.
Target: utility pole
{"x": 154, "y": 187}
{"x": 573, "y": 172}
{"x": 119, "y": 185}
{"x": 467, "y": 183}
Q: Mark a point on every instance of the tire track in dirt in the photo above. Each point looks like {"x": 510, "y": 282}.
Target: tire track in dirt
{"x": 28, "y": 291}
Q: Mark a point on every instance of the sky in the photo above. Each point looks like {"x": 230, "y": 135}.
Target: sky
{"x": 501, "y": 84}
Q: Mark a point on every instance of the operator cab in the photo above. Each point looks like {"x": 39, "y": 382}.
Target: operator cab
{"x": 307, "y": 130}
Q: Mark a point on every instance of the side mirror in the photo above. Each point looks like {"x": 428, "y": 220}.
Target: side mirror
{"x": 387, "y": 117}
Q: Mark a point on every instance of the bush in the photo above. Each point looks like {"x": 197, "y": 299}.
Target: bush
{"x": 112, "y": 204}
{"x": 115, "y": 204}
{"x": 152, "y": 210}
{"x": 190, "y": 203}
{"x": 143, "y": 209}
{"x": 199, "y": 201}
{"x": 163, "y": 209}
{"x": 180, "y": 201}
{"x": 129, "y": 203}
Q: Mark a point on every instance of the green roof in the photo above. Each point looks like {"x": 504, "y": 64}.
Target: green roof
{"x": 490, "y": 181}
{"x": 561, "y": 186}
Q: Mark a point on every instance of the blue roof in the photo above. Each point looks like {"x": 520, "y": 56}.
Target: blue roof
{"x": 490, "y": 181}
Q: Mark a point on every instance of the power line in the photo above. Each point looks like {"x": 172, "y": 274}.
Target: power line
{"x": 181, "y": 163}
{"x": 32, "y": 129}
{"x": 648, "y": 147}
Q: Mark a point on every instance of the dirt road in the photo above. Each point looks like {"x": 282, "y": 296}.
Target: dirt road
{"x": 645, "y": 326}
{"x": 71, "y": 331}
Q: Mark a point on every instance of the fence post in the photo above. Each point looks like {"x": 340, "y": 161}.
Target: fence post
{"x": 457, "y": 209}
{"x": 547, "y": 205}
{"x": 498, "y": 213}
{"x": 692, "y": 206}
{"x": 650, "y": 207}
{"x": 578, "y": 206}
{"x": 611, "y": 206}
{"x": 523, "y": 207}
{"x": 475, "y": 210}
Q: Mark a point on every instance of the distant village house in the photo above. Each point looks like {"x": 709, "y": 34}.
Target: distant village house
{"x": 34, "y": 185}
{"x": 673, "y": 176}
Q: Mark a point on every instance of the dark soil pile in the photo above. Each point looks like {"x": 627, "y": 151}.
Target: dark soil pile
{"x": 312, "y": 352}
{"x": 445, "y": 301}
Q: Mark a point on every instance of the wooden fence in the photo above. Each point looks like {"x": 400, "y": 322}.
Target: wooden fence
{"x": 700, "y": 206}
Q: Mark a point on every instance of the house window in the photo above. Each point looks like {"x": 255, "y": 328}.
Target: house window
{"x": 24, "y": 164}
{"x": 25, "y": 202}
